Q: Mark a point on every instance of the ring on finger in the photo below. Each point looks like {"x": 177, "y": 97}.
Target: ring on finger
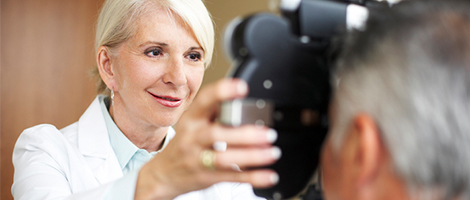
{"x": 208, "y": 159}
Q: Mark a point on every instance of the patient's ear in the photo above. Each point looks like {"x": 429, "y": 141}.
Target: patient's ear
{"x": 105, "y": 68}
{"x": 369, "y": 149}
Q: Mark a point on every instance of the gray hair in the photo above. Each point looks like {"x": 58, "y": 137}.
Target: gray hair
{"x": 410, "y": 70}
{"x": 116, "y": 19}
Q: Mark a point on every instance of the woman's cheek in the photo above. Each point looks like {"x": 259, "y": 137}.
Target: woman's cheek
{"x": 194, "y": 84}
{"x": 196, "y": 80}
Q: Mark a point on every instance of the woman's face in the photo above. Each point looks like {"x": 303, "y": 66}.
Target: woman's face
{"x": 158, "y": 71}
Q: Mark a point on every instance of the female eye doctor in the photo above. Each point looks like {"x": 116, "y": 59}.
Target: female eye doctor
{"x": 151, "y": 57}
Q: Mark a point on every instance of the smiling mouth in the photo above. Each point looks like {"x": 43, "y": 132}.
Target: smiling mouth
{"x": 167, "y": 101}
{"x": 165, "y": 98}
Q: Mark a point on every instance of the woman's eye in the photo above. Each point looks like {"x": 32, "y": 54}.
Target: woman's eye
{"x": 154, "y": 52}
{"x": 195, "y": 56}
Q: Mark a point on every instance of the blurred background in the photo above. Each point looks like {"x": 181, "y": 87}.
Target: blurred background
{"x": 46, "y": 54}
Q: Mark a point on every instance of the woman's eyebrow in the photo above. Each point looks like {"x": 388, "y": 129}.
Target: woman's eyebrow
{"x": 165, "y": 45}
{"x": 154, "y": 42}
{"x": 196, "y": 48}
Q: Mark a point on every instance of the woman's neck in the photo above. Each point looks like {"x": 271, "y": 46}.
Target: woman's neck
{"x": 143, "y": 135}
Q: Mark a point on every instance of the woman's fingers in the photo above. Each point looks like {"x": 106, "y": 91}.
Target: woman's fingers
{"x": 210, "y": 96}
{"x": 243, "y": 158}
{"x": 261, "y": 178}
{"x": 246, "y": 135}
{"x": 207, "y": 151}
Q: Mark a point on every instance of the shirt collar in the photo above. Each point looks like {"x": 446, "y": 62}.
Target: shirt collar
{"x": 122, "y": 146}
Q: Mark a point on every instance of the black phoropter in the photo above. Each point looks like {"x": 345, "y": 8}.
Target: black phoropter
{"x": 286, "y": 61}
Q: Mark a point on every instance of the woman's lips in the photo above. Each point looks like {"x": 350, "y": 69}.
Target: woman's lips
{"x": 168, "y": 101}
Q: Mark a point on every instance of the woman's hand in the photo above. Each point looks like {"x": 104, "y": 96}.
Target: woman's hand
{"x": 178, "y": 169}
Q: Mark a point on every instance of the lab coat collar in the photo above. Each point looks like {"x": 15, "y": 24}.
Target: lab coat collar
{"x": 93, "y": 142}
{"x": 92, "y": 132}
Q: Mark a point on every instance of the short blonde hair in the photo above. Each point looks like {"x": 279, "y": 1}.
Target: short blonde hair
{"x": 116, "y": 19}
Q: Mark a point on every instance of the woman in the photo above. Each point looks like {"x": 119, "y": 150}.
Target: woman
{"x": 151, "y": 57}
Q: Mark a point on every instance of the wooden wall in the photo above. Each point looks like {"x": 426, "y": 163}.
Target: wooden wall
{"x": 46, "y": 53}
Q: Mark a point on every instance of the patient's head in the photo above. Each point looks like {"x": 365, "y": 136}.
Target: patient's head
{"x": 400, "y": 117}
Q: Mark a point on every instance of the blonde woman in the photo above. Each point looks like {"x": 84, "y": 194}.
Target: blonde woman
{"x": 151, "y": 57}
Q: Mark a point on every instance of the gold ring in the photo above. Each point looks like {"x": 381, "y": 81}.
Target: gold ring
{"x": 208, "y": 159}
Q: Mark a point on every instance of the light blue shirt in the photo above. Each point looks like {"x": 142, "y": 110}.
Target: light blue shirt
{"x": 130, "y": 157}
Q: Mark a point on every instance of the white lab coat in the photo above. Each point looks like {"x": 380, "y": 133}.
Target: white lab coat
{"x": 78, "y": 162}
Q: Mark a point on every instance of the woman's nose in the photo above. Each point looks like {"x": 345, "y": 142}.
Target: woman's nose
{"x": 175, "y": 72}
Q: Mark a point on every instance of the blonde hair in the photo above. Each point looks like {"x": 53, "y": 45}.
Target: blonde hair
{"x": 117, "y": 17}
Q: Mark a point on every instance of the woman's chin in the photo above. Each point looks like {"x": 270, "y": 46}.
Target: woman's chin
{"x": 163, "y": 117}
{"x": 166, "y": 121}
